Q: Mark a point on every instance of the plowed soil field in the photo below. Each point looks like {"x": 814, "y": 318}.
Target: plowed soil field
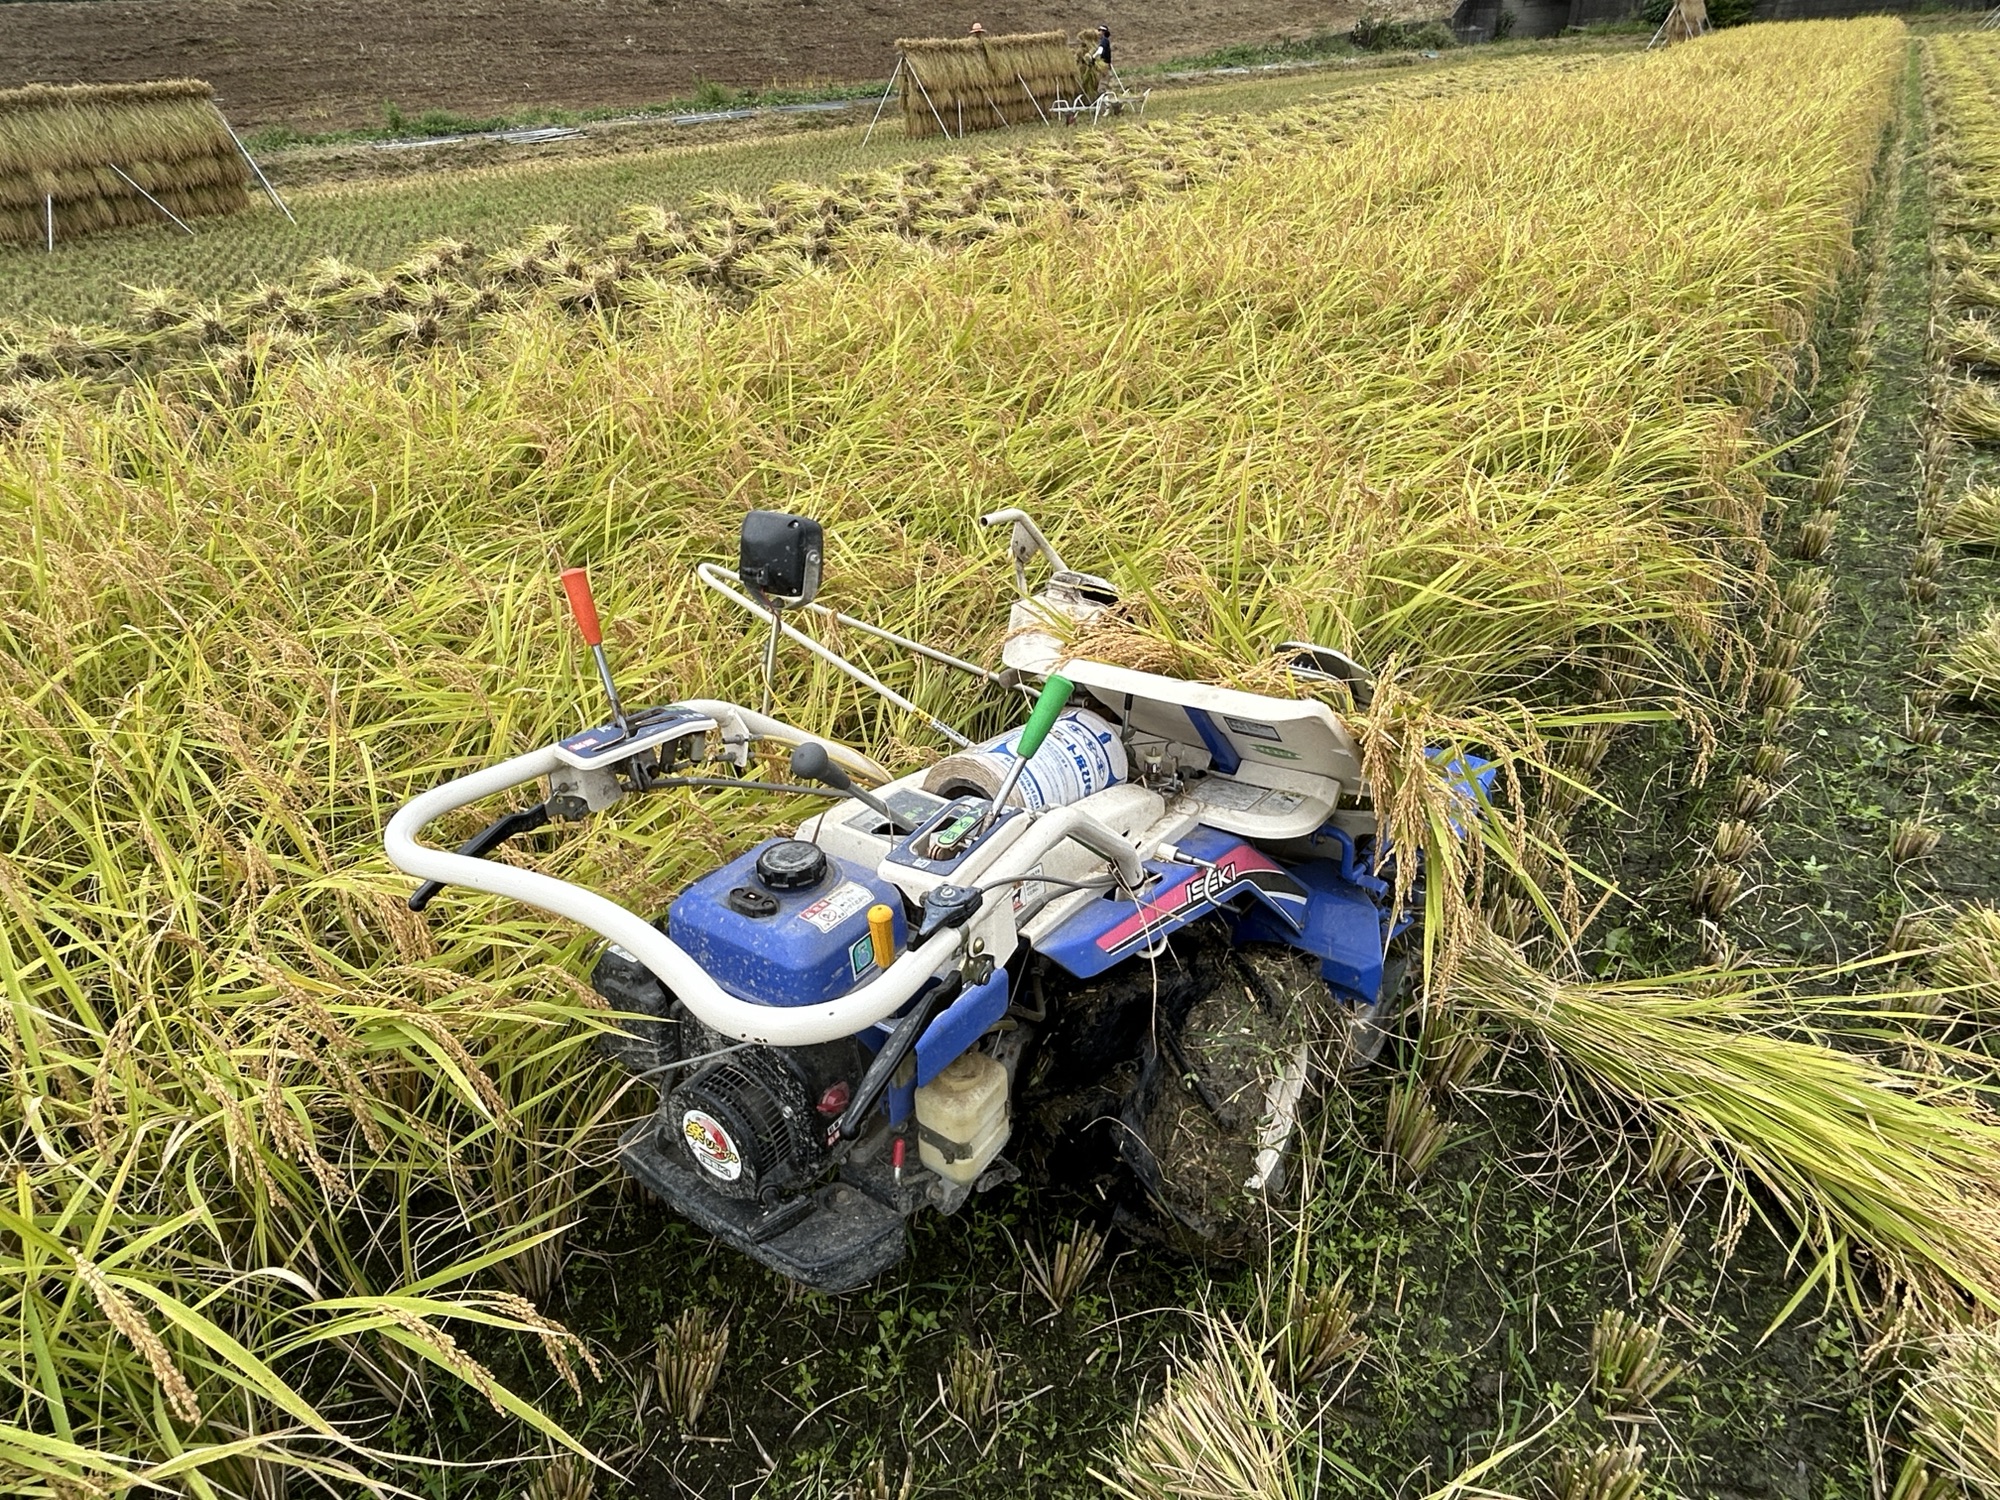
{"x": 333, "y": 63}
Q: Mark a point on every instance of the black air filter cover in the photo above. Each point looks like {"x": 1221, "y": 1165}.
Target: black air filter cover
{"x": 747, "y": 1124}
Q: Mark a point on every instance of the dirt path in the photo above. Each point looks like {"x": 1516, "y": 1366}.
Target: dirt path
{"x": 332, "y": 63}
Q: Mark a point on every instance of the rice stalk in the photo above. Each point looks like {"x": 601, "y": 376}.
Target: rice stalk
{"x": 1957, "y": 1408}
{"x": 1846, "y": 1147}
{"x": 1607, "y": 1472}
{"x": 688, "y": 1356}
{"x": 969, "y": 1385}
{"x": 1068, "y": 1268}
{"x": 1973, "y": 411}
{"x": 1972, "y": 669}
{"x": 1974, "y": 519}
{"x": 1223, "y": 1429}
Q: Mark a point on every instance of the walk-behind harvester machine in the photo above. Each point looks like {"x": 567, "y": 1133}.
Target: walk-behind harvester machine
{"x": 1123, "y": 939}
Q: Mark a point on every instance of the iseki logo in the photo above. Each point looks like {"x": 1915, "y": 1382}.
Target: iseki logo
{"x": 1211, "y": 884}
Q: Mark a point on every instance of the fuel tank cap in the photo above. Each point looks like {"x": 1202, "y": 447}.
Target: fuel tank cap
{"x": 791, "y": 865}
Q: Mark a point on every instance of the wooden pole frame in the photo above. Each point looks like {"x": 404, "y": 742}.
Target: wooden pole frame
{"x": 883, "y": 103}
{"x": 1031, "y": 96}
{"x": 245, "y": 150}
{"x": 148, "y": 196}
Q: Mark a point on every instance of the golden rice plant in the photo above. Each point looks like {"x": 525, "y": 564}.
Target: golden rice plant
{"x": 239, "y": 636}
{"x": 1974, "y": 519}
{"x": 1224, "y": 1425}
{"x": 1972, "y": 341}
{"x": 1966, "y": 961}
{"x": 1973, "y": 410}
{"x": 90, "y": 153}
{"x": 1957, "y": 1409}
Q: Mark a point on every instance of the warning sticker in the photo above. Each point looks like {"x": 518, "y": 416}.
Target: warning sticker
{"x": 847, "y": 900}
{"x": 1028, "y": 890}
{"x": 1237, "y": 796}
{"x": 1241, "y": 796}
{"x": 711, "y": 1145}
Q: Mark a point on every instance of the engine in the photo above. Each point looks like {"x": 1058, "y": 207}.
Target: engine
{"x": 746, "y": 1121}
{"x": 785, "y": 924}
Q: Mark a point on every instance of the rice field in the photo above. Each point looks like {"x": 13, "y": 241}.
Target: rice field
{"x": 375, "y": 222}
{"x": 308, "y": 1189}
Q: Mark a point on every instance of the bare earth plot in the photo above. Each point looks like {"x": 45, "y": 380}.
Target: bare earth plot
{"x": 333, "y": 63}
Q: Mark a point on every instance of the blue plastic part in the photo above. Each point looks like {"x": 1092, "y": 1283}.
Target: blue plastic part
{"x": 1353, "y": 869}
{"x": 1115, "y": 927}
{"x": 814, "y": 949}
{"x": 1343, "y": 929}
{"x": 1472, "y": 778}
{"x": 963, "y": 1022}
{"x": 1219, "y": 749}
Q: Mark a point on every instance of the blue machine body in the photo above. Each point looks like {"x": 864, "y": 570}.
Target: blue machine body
{"x": 1115, "y": 928}
{"x": 815, "y": 947}
{"x": 1343, "y": 929}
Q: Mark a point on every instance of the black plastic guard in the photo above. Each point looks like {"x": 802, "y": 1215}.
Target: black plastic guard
{"x": 835, "y": 1240}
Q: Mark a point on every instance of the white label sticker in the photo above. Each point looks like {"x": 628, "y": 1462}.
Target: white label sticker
{"x": 711, "y": 1145}
{"x": 844, "y": 902}
{"x": 1252, "y": 728}
{"x": 1028, "y": 890}
{"x": 1237, "y": 796}
{"x": 1241, "y": 796}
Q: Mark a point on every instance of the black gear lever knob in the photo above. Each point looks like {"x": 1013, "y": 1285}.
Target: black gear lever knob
{"x": 810, "y": 762}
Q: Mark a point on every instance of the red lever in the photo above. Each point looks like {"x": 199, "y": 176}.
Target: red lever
{"x": 576, "y": 583}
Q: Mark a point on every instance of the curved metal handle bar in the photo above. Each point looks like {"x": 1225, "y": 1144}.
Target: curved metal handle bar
{"x": 777, "y": 1026}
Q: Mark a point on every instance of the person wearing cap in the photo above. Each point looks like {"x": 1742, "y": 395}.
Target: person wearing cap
{"x": 1102, "y": 56}
{"x": 977, "y": 29}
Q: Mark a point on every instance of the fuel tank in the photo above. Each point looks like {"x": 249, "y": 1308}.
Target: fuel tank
{"x": 785, "y": 923}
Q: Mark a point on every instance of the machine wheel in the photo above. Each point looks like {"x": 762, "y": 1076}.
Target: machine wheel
{"x": 1216, "y": 1112}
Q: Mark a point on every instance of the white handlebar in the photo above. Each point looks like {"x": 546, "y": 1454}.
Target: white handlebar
{"x": 774, "y": 1025}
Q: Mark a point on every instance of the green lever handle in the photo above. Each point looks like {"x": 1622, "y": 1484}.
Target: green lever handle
{"x": 1048, "y": 708}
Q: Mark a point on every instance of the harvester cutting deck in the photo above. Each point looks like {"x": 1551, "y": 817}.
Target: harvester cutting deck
{"x": 1132, "y": 932}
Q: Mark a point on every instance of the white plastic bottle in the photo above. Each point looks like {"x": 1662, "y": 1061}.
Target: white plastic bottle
{"x": 962, "y": 1117}
{"x": 1082, "y": 755}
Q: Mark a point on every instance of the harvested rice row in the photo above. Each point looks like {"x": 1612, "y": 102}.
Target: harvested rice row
{"x": 1771, "y": 686}
{"x": 1964, "y": 95}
